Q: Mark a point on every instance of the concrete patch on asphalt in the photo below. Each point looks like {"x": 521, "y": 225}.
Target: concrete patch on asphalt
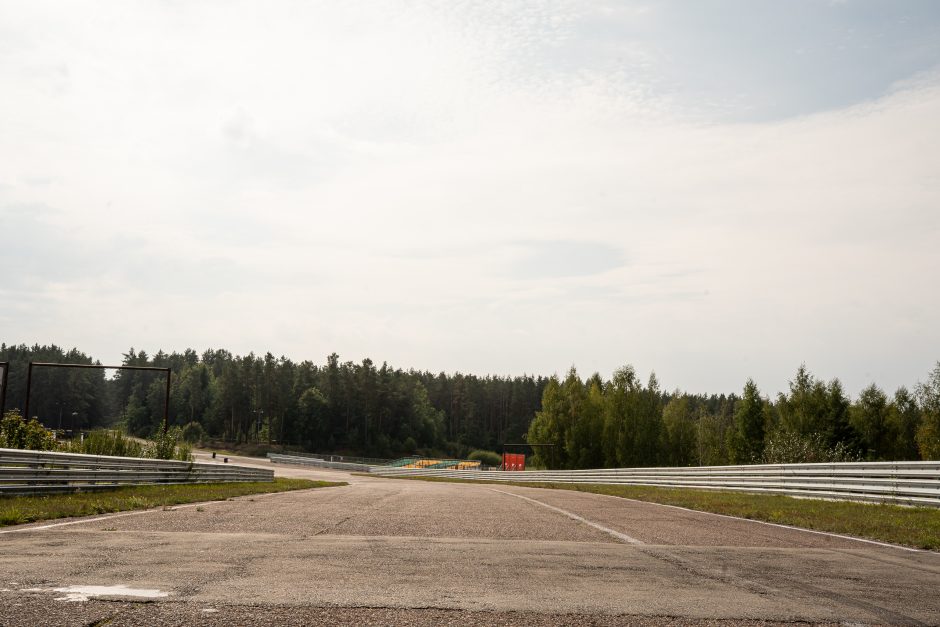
{"x": 84, "y": 593}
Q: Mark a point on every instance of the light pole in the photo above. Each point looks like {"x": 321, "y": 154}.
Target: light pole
{"x": 260, "y": 413}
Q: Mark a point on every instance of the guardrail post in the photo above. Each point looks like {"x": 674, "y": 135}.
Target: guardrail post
{"x": 894, "y": 484}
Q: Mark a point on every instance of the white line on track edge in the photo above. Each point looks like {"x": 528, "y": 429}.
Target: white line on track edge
{"x": 616, "y": 534}
{"x": 751, "y": 520}
{"x": 803, "y": 529}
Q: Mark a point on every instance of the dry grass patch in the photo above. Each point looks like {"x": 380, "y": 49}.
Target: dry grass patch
{"x": 16, "y": 510}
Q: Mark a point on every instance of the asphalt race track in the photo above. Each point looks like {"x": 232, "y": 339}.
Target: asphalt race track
{"x": 383, "y": 551}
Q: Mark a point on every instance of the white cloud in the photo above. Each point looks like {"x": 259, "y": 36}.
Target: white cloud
{"x": 378, "y": 179}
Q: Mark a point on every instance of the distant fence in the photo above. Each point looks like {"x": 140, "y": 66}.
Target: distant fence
{"x": 350, "y": 459}
{"x": 37, "y": 472}
{"x": 317, "y": 462}
{"x": 910, "y": 483}
{"x": 342, "y": 463}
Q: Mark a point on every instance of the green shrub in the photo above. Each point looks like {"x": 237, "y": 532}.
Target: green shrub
{"x": 928, "y": 441}
{"x": 16, "y": 432}
{"x": 184, "y": 452}
{"x": 489, "y": 458}
{"x": 165, "y": 445}
{"x": 193, "y": 432}
{"x": 784, "y": 447}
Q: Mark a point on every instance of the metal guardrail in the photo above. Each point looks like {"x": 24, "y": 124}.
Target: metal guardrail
{"x": 277, "y": 458}
{"x": 39, "y": 472}
{"x": 908, "y": 483}
{"x": 332, "y": 457}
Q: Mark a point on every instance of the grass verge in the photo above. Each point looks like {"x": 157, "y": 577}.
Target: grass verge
{"x": 16, "y": 510}
{"x": 917, "y": 527}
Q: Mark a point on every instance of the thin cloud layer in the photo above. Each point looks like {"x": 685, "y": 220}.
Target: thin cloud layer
{"x": 487, "y": 187}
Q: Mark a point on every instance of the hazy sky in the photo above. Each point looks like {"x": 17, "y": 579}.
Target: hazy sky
{"x": 711, "y": 190}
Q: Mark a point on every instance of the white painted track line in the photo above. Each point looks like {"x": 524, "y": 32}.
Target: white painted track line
{"x": 616, "y": 534}
{"x": 761, "y": 522}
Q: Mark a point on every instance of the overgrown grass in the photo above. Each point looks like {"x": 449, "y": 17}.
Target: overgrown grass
{"x": 909, "y": 526}
{"x": 17, "y": 432}
{"x": 16, "y": 510}
{"x": 169, "y": 445}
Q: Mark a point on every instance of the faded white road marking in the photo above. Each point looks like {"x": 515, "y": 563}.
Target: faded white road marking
{"x": 616, "y": 534}
{"x": 78, "y": 522}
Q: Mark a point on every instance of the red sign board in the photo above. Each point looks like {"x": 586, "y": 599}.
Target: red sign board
{"x": 513, "y": 461}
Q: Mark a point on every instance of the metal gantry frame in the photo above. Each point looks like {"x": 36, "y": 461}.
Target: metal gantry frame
{"x": 29, "y": 382}
{"x": 3, "y": 385}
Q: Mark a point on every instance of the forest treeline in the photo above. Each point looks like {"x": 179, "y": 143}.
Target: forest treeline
{"x": 357, "y": 408}
{"x": 624, "y": 423}
{"x": 380, "y": 411}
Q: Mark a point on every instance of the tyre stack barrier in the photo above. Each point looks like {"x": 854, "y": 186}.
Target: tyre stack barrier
{"x": 43, "y": 472}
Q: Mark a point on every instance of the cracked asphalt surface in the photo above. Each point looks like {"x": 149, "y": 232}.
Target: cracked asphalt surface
{"x": 388, "y": 552}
